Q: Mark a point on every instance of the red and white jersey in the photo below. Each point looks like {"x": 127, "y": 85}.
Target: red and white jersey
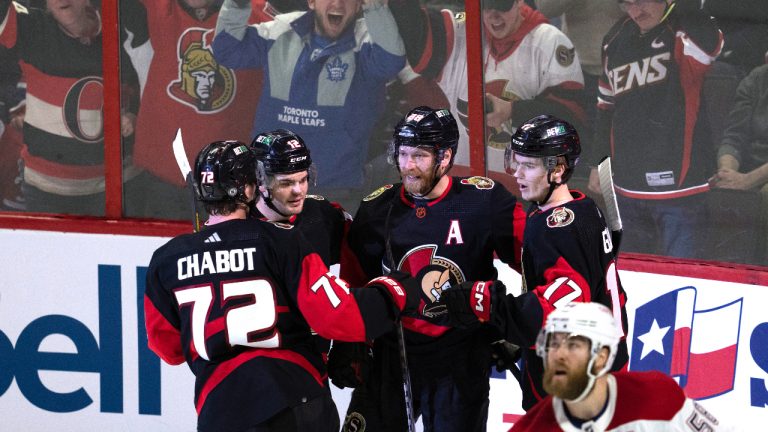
{"x": 637, "y": 402}
{"x": 536, "y": 64}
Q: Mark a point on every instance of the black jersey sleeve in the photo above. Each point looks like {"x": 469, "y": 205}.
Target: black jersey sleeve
{"x": 508, "y": 226}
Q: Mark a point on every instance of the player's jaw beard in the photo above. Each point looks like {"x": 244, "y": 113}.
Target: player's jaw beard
{"x": 570, "y": 388}
{"x": 420, "y": 187}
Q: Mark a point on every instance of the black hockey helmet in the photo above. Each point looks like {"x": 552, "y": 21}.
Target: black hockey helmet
{"x": 426, "y": 127}
{"x": 222, "y": 170}
{"x": 546, "y": 137}
{"x": 281, "y": 152}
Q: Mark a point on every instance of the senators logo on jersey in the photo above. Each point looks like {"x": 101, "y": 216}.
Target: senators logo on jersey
{"x": 560, "y": 217}
{"x": 436, "y": 273}
{"x": 203, "y": 84}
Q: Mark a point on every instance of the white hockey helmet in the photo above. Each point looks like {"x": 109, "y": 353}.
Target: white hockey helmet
{"x": 592, "y": 321}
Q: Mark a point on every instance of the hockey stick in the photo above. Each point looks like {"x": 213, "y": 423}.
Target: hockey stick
{"x": 186, "y": 172}
{"x": 612, "y": 216}
{"x": 409, "y": 413}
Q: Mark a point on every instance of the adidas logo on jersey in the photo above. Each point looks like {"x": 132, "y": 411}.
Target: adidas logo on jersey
{"x": 213, "y": 238}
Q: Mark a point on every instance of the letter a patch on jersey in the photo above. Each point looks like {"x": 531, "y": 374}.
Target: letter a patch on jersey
{"x": 454, "y": 234}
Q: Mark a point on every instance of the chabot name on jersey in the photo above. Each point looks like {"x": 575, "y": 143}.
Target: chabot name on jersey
{"x": 220, "y": 261}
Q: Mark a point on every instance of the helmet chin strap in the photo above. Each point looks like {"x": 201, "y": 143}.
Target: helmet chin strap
{"x": 552, "y": 187}
{"x": 592, "y": 378}
{"x": 268, "y": 201}
{"x": 590, "y": 384}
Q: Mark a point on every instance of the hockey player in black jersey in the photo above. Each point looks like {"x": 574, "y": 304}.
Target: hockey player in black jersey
{"x": 567, "y": 256}
{"x": 443, "y": 230}
{"x": 236, "y": 302}
{"x": 285, "y": 172}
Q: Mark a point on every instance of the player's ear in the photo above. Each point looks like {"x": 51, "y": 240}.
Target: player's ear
{"x": 447, "y": 153}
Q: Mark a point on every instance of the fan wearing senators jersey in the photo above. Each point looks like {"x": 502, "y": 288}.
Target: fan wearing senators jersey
{"x": 649, "y": 120}
{"x": 530, "y": 66}
{"x": 568, "y": 253}
{"x": 442, "y": 230}
{"x": 237, "y": 300}
{"x": 60, "y": 51}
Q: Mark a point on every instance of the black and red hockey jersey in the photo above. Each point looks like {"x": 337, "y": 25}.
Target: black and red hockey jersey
{"x": 324, "y": 224}
{"x": 567, "y": 256}
{"x": 649, "y": 106}
{"x": 637, "y": 402}
{"x": 236, "y": 302}
{"x": 441, "y": 242}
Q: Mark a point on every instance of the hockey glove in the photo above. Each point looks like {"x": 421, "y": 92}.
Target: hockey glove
{"x": 505, "y": 354}
{"x": 471, "y": 302}
{"x": 349, "y": 363}
{"x": 404, "y": 291}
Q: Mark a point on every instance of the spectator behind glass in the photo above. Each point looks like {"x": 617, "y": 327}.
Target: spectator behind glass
{"x": 60, "y": 50}
{"x": 11, "y": 120}
{"x": 61, "y": 58}
{"x": 530, "y": 67}
{"x": 744, "y": 24}
{"x": 185, "y": 88}
{"x": 585, "y": 22}
{"x": 649, "y": 121}
{"x": 325, "y": 74}
{"x": 743, "y": 155}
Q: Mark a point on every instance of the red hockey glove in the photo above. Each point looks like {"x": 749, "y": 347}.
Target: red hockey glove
{"x": 471, "y": 302}
{"x": 349, "y": 363}
{"x": 404, "y": 291}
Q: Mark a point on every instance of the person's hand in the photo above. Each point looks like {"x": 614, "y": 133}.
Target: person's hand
{"x": 404, "y": 290}
{"x": 471, "y": 302}
{"x": 349, "y": 363}
{"x": 499, "y": 111}
{"x": 727, "y": 178}
{"x": 127, "y": 124}
{"x": 17, "y": 119}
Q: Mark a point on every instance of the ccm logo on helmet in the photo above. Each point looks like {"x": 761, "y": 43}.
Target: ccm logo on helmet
{"x": 298, "y": 159}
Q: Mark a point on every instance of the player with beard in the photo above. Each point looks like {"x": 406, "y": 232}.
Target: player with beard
{"x": 442, "y": 230}
{"x": 568, "y": 254}
{"x": 578, "y": 345}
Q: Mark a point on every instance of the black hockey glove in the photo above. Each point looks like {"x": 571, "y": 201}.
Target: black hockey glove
{"x": 471, "y": 302}
{"x": 349, "y": 363}
{"x": 404, "y": 291}
{"x": 505, "y": 354}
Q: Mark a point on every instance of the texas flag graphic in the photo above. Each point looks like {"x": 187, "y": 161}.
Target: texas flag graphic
{"x": 698, "y": 347}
